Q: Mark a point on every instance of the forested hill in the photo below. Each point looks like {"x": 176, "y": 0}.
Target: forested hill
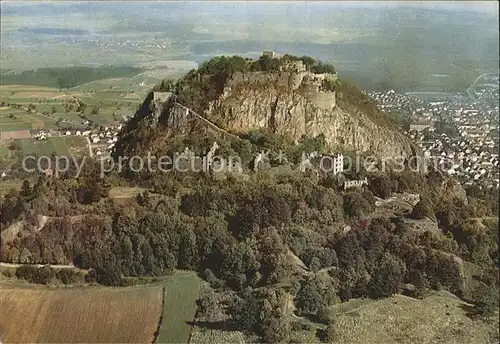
{"x": 68, "y": 76}
{"x": 291, "y": 96}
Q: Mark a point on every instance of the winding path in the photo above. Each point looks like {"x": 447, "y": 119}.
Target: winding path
{"x": 213, "y": 125}
{"x": 469, "y": 90}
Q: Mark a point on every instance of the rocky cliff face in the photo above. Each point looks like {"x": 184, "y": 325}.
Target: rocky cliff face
{"x": 289, "y": 103}
{"x": 248, "y": 106}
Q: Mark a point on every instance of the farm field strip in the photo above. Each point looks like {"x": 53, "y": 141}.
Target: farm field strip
{"x": 18, "y": 88}
{"x": 179, "y": 308}
{"x": 109, "y": 101}
{"x": 79, "y": 315}
{"x": 55, "y": 145}
{"x": 15, "y": 126}
{"x": 23, "y": 120}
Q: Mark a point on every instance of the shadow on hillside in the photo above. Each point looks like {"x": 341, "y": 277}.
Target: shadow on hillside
{"x": 214, "y": 325}
{"x": 470, "y": 311}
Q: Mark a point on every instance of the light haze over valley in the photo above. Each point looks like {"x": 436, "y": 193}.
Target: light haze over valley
{"x": 415, "y": 46}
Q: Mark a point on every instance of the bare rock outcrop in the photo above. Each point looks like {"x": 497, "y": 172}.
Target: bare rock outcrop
{"x": 263, "y": 102}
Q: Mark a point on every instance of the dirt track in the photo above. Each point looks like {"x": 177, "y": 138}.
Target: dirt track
{"x": 10, "y": 265}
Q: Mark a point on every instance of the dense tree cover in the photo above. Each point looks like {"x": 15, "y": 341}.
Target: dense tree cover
{"x": 314, "y": 296}
{"x": 485, "y": 197}
{"x": 422, "y": 210}
{"x": 266, "y": 238}
{"x": 260, "y": 311}
{"x": 167, "y": 85}
{"x": 221, "y": 227}
{"x": 266, "y": 64}
{"x": 381, "y": 186}
{"x": 356, "y": 206}
{"x": 307, "y": 60}
{"x": 321, "y": 68}
{"x": 46, "y": 274}
{"x": 35, "y": 275}
{"x": 66, "y": 77}
{"x": 487, "y": 299}
{"x": 224, "y": 66}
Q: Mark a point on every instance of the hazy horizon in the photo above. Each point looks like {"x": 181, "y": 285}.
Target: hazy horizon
{"x": 393, "y": 43}
{"x": 490, "y": 7}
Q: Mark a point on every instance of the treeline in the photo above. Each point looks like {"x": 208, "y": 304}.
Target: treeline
{"x": 66, "y": 77}
{"x": 237, "y": 234}
{"x": 311, "y": 64}
{"x": 47, "y": 275}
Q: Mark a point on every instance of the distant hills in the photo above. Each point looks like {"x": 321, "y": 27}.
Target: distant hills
{"x": 66, "y": 77}
{"x": 378, "y": 46}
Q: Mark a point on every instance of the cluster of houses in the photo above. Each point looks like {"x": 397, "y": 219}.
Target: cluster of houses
{"x": 41, "y": 135}
{"x": 470, "y": 151}
{"x": 101, "y": 140}
{"x": 458, "y": 157}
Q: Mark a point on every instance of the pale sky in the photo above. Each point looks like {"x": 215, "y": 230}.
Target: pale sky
{"x": 490, "y": 6}
{"x": 476, "y": 6}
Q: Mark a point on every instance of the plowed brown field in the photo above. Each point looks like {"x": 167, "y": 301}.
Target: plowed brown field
{"x": 79, "y": 315}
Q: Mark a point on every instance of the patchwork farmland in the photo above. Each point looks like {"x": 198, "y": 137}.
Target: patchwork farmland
{"x": 27, "y": 110}
{"x": 106, "y": 103}
{"x": 13, "y": 119}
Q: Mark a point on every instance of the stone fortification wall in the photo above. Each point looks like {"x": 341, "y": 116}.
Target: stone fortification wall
{"x": 292, "y": 78}
{"x": 295, "y": 80}
{"x": 323, "y": 76}
{"x": 324, "y": 100}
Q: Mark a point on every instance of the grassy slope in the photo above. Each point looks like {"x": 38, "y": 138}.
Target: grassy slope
{"x": 7, "y": 185}
{"x": 179, "y": 308}
{"x": 439, "y": 318}
{"x": 53, "y": 145}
